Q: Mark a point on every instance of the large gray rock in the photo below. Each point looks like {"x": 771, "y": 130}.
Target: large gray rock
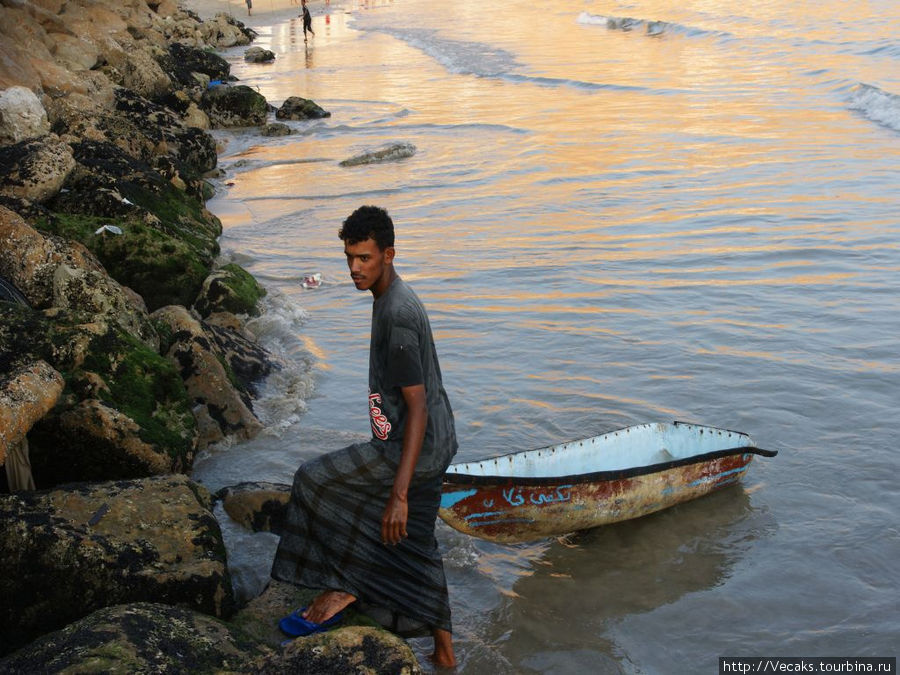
{"x": 259, "y": 55}
{"x": 247, "y": 361}
{"x": 256, "y": 506}
{"x": 138, "y": 638}
{"x": 67, "y": 552}
{"x": 298, "y": 108}
{"x": 74, "y": 52}
{"x": 99, "y": 426}
{"x": 29, "y": 259}
{"x": 35, "y": 170}
{"x": 355, "y": 649}
{"x": 27, "y": 393}
{"x": 21, "y": 116}
{"x": 220, "y": 407}
{"x": 139, "y": 71}
{"x": 52, "y": 272}
{"x": 86, "y": 290}
{"x": 357, "y": 644}
{"x": 229, "y": 289}
{"x": 186, "y": 60}
{"x": 124, "y": 413}
{"x": 234, "y": 106}
{"x": 135, "y": 126}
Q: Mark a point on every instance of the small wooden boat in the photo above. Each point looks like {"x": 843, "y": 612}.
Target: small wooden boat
{"x": 578, "y": 485}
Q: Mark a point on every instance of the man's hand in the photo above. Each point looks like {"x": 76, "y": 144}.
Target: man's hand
{"x": 393, "y": 522}
{"x": 396, "y": 513}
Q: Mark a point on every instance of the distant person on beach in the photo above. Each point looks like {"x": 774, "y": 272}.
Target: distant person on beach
{"x": 307, "y": 20}
{"x": 249, "y": 6}
{"x": 360, "y": 522}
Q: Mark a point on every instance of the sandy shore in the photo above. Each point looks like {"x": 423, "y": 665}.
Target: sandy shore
{"x": 264, "y": 12}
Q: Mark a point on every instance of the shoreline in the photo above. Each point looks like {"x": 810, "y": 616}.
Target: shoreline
{"x": 123, "y": 349}
{"x": 264, "y": 12}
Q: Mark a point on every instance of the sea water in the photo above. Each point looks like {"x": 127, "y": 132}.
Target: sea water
{"x": 616, "y": 213}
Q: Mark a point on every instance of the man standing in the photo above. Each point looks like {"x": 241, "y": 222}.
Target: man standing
{"x": 360, "y": 523}
{"x": 307, "y": 20}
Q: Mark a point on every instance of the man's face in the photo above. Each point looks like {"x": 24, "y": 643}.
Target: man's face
{"x": 370, "y": 267}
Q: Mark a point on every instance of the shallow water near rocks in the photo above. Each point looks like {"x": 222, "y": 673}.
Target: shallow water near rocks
{"x": 691, "y": 215}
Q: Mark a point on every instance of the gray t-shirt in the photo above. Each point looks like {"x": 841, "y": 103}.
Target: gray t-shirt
{"x": 402, "y": 354}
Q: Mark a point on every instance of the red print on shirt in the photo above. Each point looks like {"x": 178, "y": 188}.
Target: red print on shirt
{"x": 380, "y": 425}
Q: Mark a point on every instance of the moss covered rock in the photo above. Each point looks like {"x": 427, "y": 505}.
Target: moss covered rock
{"x": 259, "y": 618}
{"x": 299, "y": 108}
{"x": 138, "y": 638}
{"x": 56, "y": 272}
{"x": 230, "y": 289}
{"x": 356, "y": 649}
{"x": 183, "y": 61}
{"x": 158, "y": 264}
{"x": 67, "y": 552}
{"x": 234, "y": 106}
{"x": 221, "y": 406}
{"x": 27, "y": 392}
{"x": 35, "y": 169}
{"x": 124, "y": 412}
{"x": 168, "y": 239}
{"x": 247, "y": 362}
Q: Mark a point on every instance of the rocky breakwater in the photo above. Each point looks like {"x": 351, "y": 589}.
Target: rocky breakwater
{"x": 123, "y": 349}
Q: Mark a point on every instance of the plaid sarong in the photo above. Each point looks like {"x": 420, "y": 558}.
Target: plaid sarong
{"x": 332, "y": 534}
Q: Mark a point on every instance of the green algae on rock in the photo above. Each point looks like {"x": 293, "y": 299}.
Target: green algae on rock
{"x": 355, "y": 649}
{"x": 234, "y": 106}
{"x": 221, "y": 406}
{"x": 160, "y": 266}
{"x": 138, "y": 638}
{"x": 230, "y": 289}
{"x": 122, "y": 378}
{"x": 299, "y": 108}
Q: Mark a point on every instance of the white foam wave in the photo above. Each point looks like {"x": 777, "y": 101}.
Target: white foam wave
{"x": 283, "y": 394}
{"x": 457, "y": 56}
{"x": 877, "y": 105}
{"x": 460, "y": 551}
{"x": 589, "y": 19}
{"x": 651, "y": 28}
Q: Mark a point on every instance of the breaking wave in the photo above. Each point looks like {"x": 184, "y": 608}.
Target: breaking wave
{"x": 283, "y": 394}
{"x": 877, "y": 105}
{"x": 652, "y": 28}
{"x": 457, "y": 56}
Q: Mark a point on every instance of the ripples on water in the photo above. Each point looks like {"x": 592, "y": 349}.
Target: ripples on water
{"x": 616, "y": 213}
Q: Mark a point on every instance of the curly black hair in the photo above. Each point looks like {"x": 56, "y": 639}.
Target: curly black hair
{"x": 368, "y": 222}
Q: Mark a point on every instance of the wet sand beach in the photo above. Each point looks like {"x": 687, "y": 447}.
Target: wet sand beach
{"x": 263, "y": 12}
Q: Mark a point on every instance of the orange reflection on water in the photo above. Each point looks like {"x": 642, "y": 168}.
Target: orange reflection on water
{"x": 836, "y": 363}
{"x": 313, "y": 348}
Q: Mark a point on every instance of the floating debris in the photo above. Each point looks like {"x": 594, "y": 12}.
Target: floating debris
{"x": 312, "y": 280}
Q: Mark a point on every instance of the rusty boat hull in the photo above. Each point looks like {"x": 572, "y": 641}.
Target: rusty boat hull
{"x": 583, "y": 484}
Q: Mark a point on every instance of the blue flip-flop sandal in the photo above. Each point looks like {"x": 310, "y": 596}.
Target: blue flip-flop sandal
{"x": 296, "y": 626}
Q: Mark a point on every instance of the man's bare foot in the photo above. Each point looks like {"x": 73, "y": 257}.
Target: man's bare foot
{"x": 326, "y": 605}
{"x": 443, "y": 649}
